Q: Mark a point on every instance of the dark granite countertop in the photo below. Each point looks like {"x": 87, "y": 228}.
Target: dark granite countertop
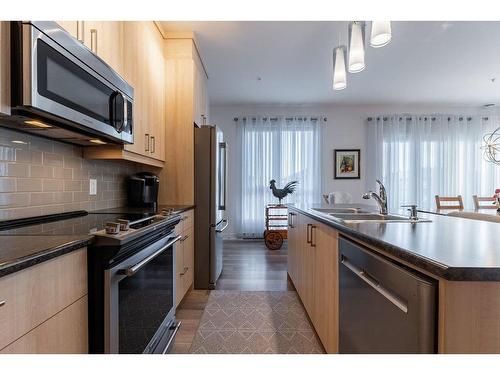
{"x": 451, "y": 248}
{"x": 27, "y": 246}
{"x": 141, "y": 210}
{"x": 19, "y": 252}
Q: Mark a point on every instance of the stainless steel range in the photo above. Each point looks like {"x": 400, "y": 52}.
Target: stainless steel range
{"x": 132, "y": 286}
{"x": 131, "y": 264}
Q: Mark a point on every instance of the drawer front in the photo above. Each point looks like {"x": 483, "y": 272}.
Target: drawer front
{"x": 188, "y": 249}
{"x": 35, "y": 294}
{"x": 64, "y": 333}
{"x": 179, "y": 266}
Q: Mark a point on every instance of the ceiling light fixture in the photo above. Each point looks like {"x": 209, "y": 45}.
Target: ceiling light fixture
{"x": 339, "y": 71}
{"x": 37, "y": 123}
{"x": 491, "y": 147}
{"x": 381, "y": 34}
{"x": 97, "y": 141}
{"x": 356, "y": 46}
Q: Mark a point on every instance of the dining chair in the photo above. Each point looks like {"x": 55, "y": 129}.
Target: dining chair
{"x": 458, "y": 200}
{"x": 477, "y": 202}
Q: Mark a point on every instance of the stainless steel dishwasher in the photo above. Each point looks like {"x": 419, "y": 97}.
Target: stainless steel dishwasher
{"x": 384, "y": 307}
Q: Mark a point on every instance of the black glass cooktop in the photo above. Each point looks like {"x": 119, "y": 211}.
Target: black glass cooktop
{"x": 79, "y": 223}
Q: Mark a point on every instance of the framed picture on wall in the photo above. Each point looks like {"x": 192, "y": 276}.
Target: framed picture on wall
{"x": 346, "y": 164}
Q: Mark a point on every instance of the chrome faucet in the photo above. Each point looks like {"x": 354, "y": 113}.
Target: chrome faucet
{"x": 380, "y": 198}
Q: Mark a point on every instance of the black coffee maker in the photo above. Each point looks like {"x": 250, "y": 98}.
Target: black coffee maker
{"x": 143, "y": 190}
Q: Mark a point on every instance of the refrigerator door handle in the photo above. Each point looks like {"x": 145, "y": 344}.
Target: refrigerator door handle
{"x": 226, "y": 223}
{"x": 222, "y": 175}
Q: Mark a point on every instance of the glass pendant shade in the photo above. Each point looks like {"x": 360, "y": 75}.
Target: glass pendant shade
{"x": 356, "y": 46}
{"x": 339, "y": 71}
{"x": 381, "y": 33}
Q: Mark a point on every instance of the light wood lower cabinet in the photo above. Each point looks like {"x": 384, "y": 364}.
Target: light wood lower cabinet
{"x": 64, "y": 333}
{"x": 313, "y": 269}
{"x": 184, "y": 252}
{"x": 35, "y": 295}
{"x": 325, "y": 285}
{"x": 5, "y": 67}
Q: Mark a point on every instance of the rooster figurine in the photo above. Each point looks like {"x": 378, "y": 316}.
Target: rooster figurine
{"x": 282, "y": 193}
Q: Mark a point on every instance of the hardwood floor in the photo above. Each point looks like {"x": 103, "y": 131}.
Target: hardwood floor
{"x": 247, "y": 265}
{"x": 189, "y": 314}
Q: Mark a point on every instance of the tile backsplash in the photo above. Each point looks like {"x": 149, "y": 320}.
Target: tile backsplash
{"x": 39, "y": 176}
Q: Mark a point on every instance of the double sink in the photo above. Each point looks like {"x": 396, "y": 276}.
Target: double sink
{"x": 357, "y": 215}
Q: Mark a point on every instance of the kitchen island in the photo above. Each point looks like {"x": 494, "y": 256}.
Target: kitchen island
{"x": 461, "y": 255}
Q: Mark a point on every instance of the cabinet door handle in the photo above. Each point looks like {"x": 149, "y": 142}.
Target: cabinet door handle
{"x": 184, "y": 272}
{"x": 2, "y": 303}
{"x": 153, "y": 144}
{"x": 93, "y": 40}
{"x": 291, "y": 224}
{"x": 313, "y": 244}
{"x": 308, "y": 235}
{"x": 146, "y": 142}
{"x": 80, "y": 31}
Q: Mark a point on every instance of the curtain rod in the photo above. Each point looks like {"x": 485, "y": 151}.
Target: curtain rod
{"x": 461, "y": 118}
{"x": 286, "y": 118}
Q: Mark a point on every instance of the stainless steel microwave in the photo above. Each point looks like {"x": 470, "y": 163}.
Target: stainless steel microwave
{"x": 62, "y": 90}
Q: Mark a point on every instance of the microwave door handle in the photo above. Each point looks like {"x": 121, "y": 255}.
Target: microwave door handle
{"x": 136, "y": 267}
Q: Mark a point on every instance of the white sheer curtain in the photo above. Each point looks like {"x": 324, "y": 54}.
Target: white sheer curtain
{"x": 418, "y": 157}
{"x": 279, "y": 148}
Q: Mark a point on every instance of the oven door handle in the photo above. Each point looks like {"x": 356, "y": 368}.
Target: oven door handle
{"x": 136, "y": 267}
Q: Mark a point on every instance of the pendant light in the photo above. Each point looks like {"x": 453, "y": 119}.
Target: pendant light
{"x": 356, "y": 46}
{"x": 339, "y": 71}
{"x": 381, "y": 33}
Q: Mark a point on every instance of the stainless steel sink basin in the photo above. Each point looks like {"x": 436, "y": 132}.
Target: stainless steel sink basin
{"x": 367, "y": 217}
{"x": 344, "y": 210}
{"x": 371, "y": 217}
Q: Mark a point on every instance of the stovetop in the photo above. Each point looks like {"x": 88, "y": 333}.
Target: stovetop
{"x": 79, "y": 222}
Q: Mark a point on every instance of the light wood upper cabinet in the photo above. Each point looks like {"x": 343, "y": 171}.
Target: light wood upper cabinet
{"x": 200, "y": 95}
{"x": 104, "y": 38}
{"x": 142, "y": 65}
{"x": 144, "y": 69}
{"x": 5, "y": 67}
{"x": 186, "y": 95}
{"x": 74, "y": 28}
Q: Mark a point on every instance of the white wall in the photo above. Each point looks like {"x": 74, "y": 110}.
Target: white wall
{"x": 345, "y": 129}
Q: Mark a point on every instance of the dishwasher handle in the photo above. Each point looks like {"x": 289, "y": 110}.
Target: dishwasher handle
{"x": 375, "y": 284}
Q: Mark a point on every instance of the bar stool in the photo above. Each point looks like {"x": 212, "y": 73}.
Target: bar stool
{"x": 458, "y": 200}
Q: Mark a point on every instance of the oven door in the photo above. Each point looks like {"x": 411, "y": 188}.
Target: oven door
{"x": 56, "y": 81}
{"x": 139, "y": 301}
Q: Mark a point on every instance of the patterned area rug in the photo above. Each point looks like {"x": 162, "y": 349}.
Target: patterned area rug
{"x": 237, "y": 322}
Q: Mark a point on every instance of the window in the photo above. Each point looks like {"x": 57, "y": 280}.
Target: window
{"x": 283, "y": 149}
{"x": 418, "y": 157}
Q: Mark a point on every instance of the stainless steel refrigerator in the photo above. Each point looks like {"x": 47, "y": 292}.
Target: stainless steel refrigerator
{"x": 210, "y": 199}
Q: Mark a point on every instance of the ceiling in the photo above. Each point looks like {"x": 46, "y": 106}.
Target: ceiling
{"x": 425, "y": 63}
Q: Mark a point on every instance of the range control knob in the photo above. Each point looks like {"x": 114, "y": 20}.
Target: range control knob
{"x": 112, "y": 228}
{"x": 124, "y": 224}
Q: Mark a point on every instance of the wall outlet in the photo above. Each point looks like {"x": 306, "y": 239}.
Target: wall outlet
{"x": 93, "y": 187}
